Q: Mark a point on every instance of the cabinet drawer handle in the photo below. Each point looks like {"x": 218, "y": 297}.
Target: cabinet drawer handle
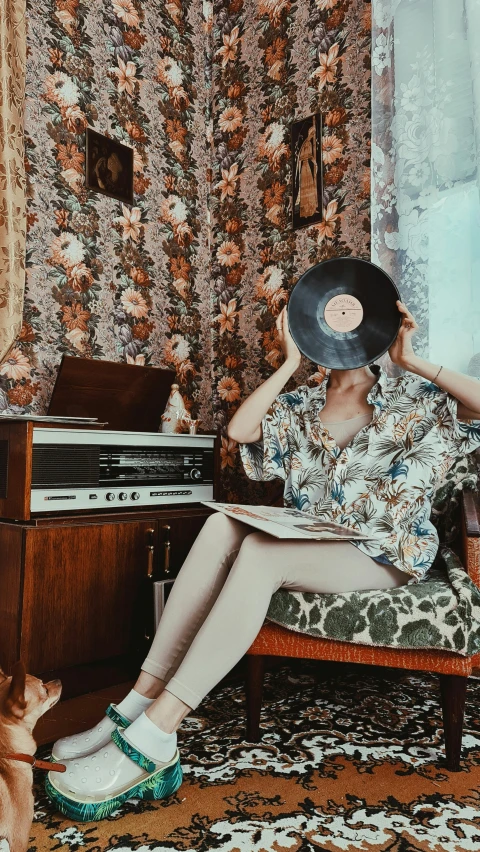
{"x": 150, "y": 553}
{"x": 167, "y": 547}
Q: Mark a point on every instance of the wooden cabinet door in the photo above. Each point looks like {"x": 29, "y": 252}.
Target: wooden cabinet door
{"x": 11, "y": 548}
{"x": 175, "y": 538}
{"x": 84, "y": 589}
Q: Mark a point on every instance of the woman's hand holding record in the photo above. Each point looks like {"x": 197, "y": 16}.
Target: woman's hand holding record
{"x": 401, "y": 351}
{"x": 287, "y": 343}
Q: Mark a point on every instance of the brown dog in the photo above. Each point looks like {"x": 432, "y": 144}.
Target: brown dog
{"x": 23, "y": 699}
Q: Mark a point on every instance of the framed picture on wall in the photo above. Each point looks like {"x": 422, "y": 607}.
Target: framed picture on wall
{"x": 109, "y": 166}
{"x": 307, "y": 190}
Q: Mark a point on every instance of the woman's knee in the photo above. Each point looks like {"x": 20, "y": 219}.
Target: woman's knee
{"x": 221, "y": 534}
{"x": 252, "y": 555}
{"x": 218, "y": 523}
{"x": 257, "y": 541}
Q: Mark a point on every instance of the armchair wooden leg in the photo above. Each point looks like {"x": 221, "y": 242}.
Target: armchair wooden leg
{"x": 255, "y": 672}
{"x": 453, "y": 690}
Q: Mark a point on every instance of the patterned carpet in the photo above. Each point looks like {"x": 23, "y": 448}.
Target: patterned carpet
{"x": 351, "y": 758}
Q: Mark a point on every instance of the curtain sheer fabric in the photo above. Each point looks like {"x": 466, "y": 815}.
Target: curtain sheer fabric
{"x": 12, "y": 170}
{"x": 425, "y": 168}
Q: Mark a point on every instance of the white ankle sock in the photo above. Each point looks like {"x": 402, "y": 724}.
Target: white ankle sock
{"x": 154, "y": 743}
{"x": 133, "y": 704}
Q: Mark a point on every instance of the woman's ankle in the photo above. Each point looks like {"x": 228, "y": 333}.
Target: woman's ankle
{"x": 168, "y": 712}
{"x": 148, "y": 685}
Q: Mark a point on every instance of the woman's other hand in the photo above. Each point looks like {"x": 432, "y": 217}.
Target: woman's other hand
{"x": 401, "y": 351}
{"x": 287, "y": 343}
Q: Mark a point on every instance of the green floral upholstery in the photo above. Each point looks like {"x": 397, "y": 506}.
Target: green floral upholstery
{"x": 442, "y": 611}
{"x": 463, "y": 476}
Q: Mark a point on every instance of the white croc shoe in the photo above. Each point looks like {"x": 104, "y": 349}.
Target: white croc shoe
{"x": 88, "y": 742}
{"x": 93, "y": 787}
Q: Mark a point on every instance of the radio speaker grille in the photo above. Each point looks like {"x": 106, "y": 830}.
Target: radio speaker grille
{"x": 3, "y": 468}
{"x": 65, "y": 465}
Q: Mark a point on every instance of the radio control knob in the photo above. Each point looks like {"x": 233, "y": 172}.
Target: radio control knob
{"x": 123, "y": 495}
{"x": 110, "y": 496}
{"x": 134, "y": 495}
{"x": 195, "y": 473}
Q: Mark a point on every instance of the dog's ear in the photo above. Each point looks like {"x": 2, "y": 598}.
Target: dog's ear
{"x": 3, "y": 676}
{"x": 15, "y": 701}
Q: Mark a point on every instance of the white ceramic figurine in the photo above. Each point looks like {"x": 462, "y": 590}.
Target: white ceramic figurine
{"x": 174, "y": 412}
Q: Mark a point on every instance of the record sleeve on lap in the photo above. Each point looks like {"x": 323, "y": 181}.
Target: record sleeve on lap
{"x": 342, "y": 313}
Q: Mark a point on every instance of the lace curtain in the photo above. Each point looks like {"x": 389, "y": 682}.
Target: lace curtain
{"x": 425, "y": 168}
{"x": 12, "y": 170}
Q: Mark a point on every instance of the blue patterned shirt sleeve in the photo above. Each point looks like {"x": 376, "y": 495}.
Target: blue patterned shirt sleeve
{"x": 269, "y": 458}
{"x": 460, "y": 437}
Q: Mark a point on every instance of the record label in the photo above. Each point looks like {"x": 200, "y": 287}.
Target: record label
{"x": 343, "y": 313}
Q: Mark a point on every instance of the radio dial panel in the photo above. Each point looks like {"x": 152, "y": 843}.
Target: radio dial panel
{"x": 73, "y": 468}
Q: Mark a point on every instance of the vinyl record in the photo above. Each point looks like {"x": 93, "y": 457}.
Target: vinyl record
{"x": 342, "y": 313}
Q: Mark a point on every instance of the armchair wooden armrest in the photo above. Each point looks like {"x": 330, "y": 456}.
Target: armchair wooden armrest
{"x": 471, "y": 535}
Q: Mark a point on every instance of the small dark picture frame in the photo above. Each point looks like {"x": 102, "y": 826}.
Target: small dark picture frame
{"x": 109, "y": 166}
{"x": 307, "y": 168}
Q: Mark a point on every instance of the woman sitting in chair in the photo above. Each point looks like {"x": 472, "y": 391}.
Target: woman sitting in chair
{"x": 359, "y": 449}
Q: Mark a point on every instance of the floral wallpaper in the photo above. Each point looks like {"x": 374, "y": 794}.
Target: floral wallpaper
{"x": 193, "y": 275}
{"x": 275, "y": 61}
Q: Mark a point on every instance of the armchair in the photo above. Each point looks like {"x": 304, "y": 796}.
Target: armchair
{"x": 456, "y": 513}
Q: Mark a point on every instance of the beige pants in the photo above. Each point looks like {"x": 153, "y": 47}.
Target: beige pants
{"x": 220, "y": 598}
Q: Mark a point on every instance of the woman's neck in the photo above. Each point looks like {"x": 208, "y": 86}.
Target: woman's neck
{"x": 347, "y": 380}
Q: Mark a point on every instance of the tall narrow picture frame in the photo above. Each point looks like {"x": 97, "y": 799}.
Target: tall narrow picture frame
{"x": 307, "y": 167}
{"x": 109, "y": 166}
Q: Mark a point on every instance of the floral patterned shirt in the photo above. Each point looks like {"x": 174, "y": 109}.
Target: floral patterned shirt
{"x": 383, "y": 480}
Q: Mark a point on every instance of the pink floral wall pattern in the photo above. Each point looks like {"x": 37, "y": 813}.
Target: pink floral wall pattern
{"x": 194, "y": 274}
